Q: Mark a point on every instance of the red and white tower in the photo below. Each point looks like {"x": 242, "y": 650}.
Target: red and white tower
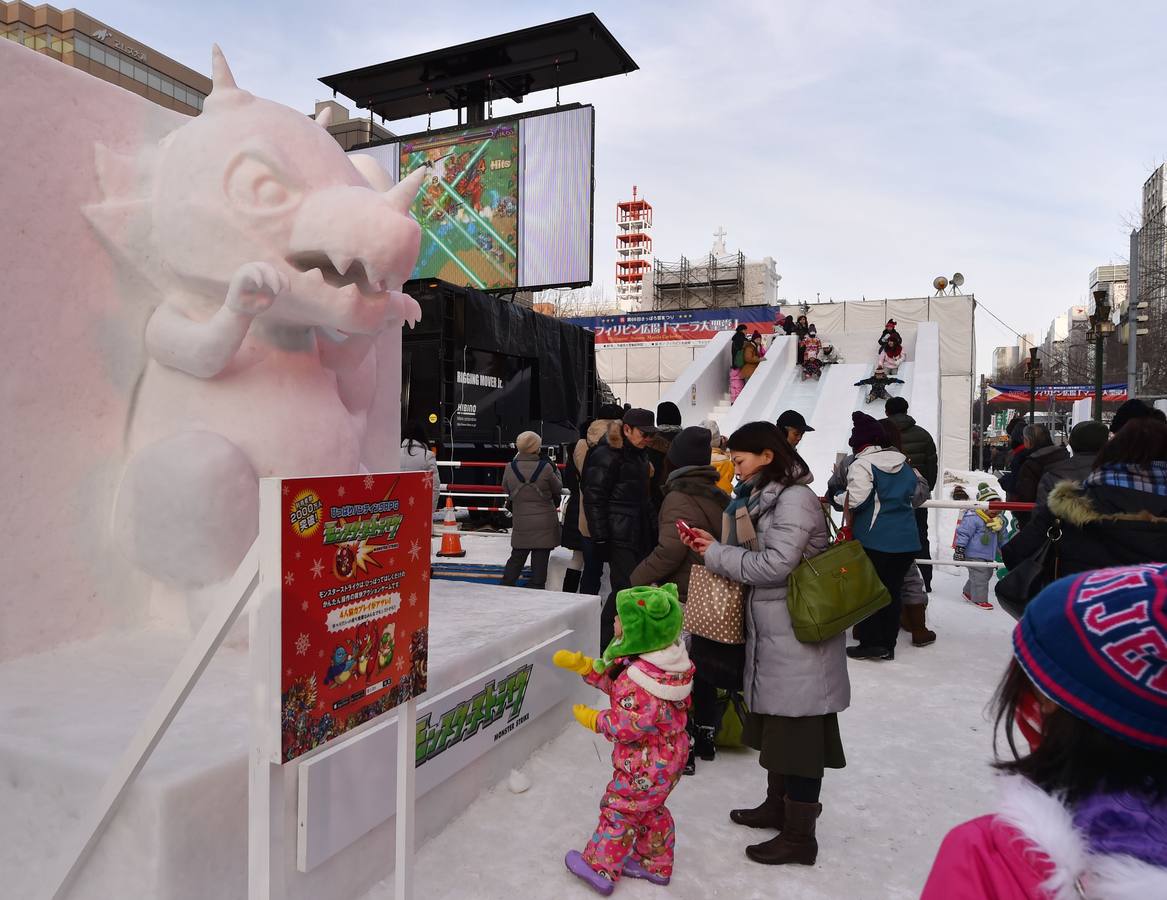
{"x": 633, "y": 251}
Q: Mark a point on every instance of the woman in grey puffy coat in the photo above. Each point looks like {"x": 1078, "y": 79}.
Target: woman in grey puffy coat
{"x": 535, "y": 489}
{"x": 794, "y": 690}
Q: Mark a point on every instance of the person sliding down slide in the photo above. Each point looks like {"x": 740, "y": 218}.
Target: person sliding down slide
{"x": 812, "y": 363}
{"x": 879, "y": 382}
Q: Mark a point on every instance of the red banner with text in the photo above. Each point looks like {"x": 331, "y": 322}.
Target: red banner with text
{"x": 355, "y": 563}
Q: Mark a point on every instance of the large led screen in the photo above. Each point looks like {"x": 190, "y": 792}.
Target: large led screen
{"x": 509, "y": 202}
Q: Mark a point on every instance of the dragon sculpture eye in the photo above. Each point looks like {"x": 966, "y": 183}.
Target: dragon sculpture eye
{"x": 254, "y": 185}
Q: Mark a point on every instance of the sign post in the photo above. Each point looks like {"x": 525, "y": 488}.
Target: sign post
{"x": 340, "y": 637}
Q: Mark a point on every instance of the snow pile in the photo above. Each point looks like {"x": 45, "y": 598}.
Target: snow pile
{"x": 918, "y": 747}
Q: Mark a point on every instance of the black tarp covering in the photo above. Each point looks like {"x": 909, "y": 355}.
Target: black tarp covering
{"x": 550, "y": 372}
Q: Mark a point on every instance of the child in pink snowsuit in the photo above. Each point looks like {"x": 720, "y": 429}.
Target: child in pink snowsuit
{"x": 648, "y": 676}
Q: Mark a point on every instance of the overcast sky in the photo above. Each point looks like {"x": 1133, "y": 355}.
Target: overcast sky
{"x": 867, "y": 147}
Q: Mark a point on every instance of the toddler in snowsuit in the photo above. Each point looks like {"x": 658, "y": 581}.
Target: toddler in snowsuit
{"x": 879, "y": 382}
{"x": 977, "y": 538}
{"x": 648, "y": 676}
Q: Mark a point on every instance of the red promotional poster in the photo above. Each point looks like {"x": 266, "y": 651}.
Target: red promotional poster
{"x": 354, "y": 611}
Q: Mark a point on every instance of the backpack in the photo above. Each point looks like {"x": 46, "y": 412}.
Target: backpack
{"x": 523, "y": 482}
{"x": 739, "y": 358}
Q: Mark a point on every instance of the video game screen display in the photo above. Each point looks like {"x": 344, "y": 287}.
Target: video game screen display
{"x": 509, "y": 202}
{"x": 468, "y": 209}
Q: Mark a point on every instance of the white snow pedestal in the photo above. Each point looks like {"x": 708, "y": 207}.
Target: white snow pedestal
{"x": 182, "y": 830}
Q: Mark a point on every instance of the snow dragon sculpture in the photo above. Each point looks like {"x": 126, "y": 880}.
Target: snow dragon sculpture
{"x": 272, "y": 262}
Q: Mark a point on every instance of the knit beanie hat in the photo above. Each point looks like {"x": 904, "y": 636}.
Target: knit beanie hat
{"x": 1132, "y": 409}
{"x": 1095, "y": 644}
{"x": 692, "y": 447}
{"x": 667, "y": 414}
{"x": 651, "y": 620}
{"x": 984, "y": 492}
{"x": 1088, "y": 437}
{"x": 529, "y": 442}
{"x": 865, "y": 432}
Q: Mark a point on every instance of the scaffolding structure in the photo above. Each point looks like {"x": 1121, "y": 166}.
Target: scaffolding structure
{"x": 709, "y": 283}
{"x": 633, "y": 250}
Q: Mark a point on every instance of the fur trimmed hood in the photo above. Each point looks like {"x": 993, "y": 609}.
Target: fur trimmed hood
{"x": 1077, "y": 870}
{"x": 1073, "y": 503}
{"x": 611, "y": 429}
{"x": 697, "y": 481}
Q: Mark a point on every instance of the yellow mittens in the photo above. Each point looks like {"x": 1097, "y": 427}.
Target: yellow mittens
{"x": 573, "y": 660}
{"x": 585, "y": 715}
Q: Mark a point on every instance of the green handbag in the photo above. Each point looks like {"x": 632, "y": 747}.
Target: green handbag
{"x": 830, "y": 592}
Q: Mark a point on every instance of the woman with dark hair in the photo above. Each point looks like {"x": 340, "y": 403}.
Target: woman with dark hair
{"x": 1117, "y": 516}
{"x": 572, "y": 538}
{"x": 416, "y": 455}
{"x": 1084, "y": 811}
{"x": 691, "y": 495}
{"x": 794, "y": 691}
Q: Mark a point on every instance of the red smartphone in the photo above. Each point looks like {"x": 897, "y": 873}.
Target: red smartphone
{"x": 686, "y": 530}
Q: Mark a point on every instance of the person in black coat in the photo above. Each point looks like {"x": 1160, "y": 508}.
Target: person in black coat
{"x": 570, "y": 536}
{"x": 1086, "y": 439}
{"x": 1027, "y": 473}
{"x": 1116, "y": 517}
{"x": 618, "y": 505}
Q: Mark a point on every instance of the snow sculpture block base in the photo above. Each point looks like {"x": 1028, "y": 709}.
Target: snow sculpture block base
{"x": 182, "y": 832}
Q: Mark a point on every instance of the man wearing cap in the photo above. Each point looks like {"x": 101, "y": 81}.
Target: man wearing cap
{"x": 1086, "y": 439}
{"x": 618, "y": 505}
{"x": 793, "y": 425}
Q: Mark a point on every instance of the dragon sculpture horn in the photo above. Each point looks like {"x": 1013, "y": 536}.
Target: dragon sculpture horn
{"x": 401, "y": 196}
{"x": 221, "y": 72}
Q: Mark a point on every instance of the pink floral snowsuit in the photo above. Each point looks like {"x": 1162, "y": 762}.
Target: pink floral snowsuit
{"x": 649, "y": 752}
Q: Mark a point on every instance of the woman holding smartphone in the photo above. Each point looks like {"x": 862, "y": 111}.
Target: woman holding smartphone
{"x": 794, "y": 691}
{"x": 693, "y": 499}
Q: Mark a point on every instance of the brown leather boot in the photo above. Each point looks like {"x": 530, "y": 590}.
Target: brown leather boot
{"x": 796, "y": 843}
{"x": 905, "y": 618}
{"x": 917, "y": 621}
{"x": 770, "y": 813}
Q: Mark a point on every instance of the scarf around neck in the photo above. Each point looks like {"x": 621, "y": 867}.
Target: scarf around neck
{"x": 748, "y": 496}
{"x": 1151, "y": 479}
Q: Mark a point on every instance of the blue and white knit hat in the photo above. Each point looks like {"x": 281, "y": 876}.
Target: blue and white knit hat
{"x": 1096, "y": 644}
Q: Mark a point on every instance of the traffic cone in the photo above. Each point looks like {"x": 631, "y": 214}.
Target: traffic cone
{"x": 451, "y": 541}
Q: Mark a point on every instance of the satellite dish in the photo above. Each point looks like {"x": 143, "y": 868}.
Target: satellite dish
{"x": 940, "y": 283}
{"x": 958, "y": 279}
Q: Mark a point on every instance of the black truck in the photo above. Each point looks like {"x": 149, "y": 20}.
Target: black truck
{"x": 480, "y": 369}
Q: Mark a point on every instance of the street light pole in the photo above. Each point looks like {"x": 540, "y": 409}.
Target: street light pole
{"x": 1100, "y": 326}
{"x": 1033, "y": 368}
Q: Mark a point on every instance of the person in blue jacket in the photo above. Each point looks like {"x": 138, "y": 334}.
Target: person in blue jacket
{"x": 880, "y": 488}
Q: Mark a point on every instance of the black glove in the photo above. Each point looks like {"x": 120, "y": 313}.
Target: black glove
{"x": 958, "y": 553}
{"x": 601, "y": 550}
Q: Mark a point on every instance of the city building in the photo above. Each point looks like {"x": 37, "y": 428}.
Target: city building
{"x": 1005, "y": 361}
{"x": 349, "y": 131}
{"x": 1065, "y": 357}
{"x": 84, "y": 43}
{"x": 633, "y": 251}
{"x": 1149, "y": 277}
{"x": 717, "y": 280}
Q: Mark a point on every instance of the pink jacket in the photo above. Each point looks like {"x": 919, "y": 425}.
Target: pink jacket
{"x": 1031, "y": 850}
{"x": 649, "y": 695}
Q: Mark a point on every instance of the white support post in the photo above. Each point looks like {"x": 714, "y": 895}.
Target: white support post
{"x": 406, "y": 776}
{"x": 222, "y": 616}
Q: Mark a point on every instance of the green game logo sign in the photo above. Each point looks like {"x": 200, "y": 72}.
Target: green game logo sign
{"x": 362, "y": 530}
{"x": 465, "y": 719}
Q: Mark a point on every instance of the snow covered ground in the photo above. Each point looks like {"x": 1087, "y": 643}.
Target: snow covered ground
{"x": 918, "y": 751}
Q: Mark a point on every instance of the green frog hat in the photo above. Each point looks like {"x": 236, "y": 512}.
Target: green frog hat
{"x": 651, "y": 619}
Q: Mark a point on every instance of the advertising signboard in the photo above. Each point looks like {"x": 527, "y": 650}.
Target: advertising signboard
{"x": 353, "y": 575}
{"x": 675, "y": 326}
